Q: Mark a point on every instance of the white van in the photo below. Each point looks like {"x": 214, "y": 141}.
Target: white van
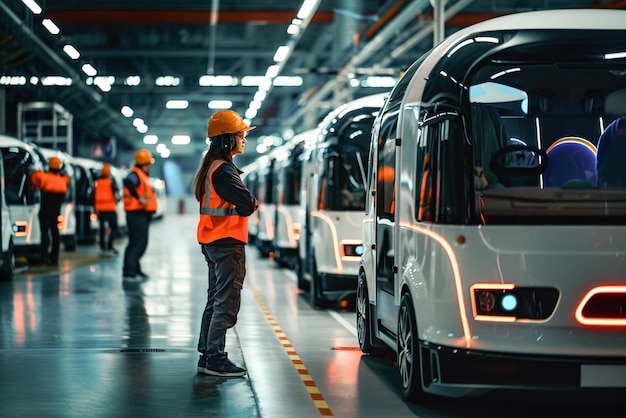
{"x": 332, "y": 201}
{"x": 23, "y": 201}
{"x": 7, "y": 255}
{"x": 495, "y": 228}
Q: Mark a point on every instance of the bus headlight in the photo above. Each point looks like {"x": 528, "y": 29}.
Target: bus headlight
{"x": 505, "y": 302}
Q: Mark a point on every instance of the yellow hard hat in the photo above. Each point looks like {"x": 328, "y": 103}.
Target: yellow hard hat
{"x": 143, "y": 157}
{"x": 106, "y": 170}
{"x": 55, "y": 163}
{"x": 226, "y": 122}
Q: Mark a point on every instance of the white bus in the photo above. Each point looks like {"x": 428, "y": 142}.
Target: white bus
{"x": 287, "y": 169}
{"x": 490, "y": 261}
{"x": 23, "y": 201}
{"x": 333, "y": 201}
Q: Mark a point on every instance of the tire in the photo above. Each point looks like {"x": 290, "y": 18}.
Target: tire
{"x": 365, "y": 325}
{"x": 408, "y": 352}
{"x": 7, "y": 271}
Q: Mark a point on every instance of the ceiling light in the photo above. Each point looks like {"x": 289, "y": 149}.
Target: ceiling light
{"x": 293, "y": 29}
{"x": 127, "y": 111}
{"x": 306, "y": 8}
{"x": 220, "y": 104}
{"x": 132, "y": 80}
{"x": 142, "y": 129}
{"x": 181, "y": 139}
{"x": 165, "y": 153}
{"x": 89, "y": 70}
{"x": 33, "y": 6}
{"x": 217, "y": 80}
{"x": 71, "y": 52}
{"x": 56, "y": 80}
{"x": 52, "y": 28}
{"x": 259, "y": 96}
{"x": 281, "y": 53}
{"x": 150, "y": 139}
{"x": 160, "y": 148}
{"x": 167, "y": 81}
{"x": 138, "y": 122}
{"x": 177, "y": 104}
{"x": 272, "y": 71}
{"x": 288, "y": 81}
{"x": 250, "y": 113}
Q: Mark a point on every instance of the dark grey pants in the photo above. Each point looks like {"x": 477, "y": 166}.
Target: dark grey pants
{"x": 227, "y": 269}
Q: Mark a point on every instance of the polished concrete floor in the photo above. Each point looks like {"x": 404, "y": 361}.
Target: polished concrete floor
{"x": 76, "y": 342}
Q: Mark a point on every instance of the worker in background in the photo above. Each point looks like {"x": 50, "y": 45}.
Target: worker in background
{"x": 140, "y": 204}
{"x": 106, "y": 197}
{"x": 225, "y": 204}
{"x": 53, "y": 185}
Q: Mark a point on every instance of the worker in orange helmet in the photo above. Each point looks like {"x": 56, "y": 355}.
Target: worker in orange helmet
{"x": 140, "y": 204}
{"x": 107, "y": 195}
{"x": 53, "y": 185}
{"x": 225, "y": 204}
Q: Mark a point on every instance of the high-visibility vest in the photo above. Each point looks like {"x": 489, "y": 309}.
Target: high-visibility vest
{"x": 105, "y": 200}
{"x": 144, "y": 189}
{"x": 218, "y": 217}
{"x": 50, "y": 182}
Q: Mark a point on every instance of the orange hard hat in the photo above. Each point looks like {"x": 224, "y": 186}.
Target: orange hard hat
{"x": 106, "y": 170}
{"x": 55, "y": 163}
{"x": 226, "y": 122}
{"x": 143, "y": 157}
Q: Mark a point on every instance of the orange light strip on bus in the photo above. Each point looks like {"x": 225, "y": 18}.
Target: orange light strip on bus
{"x": 599, "y": 321}
{"x": 290, "y": 227}
{"x": 455, "y": 271}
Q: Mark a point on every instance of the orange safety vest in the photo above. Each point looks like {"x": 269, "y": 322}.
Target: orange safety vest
{"x": 218, "y": 217}
{"x": 50, "y": 182}
{"x": 144, "y": 189}
{"x": 105, "y": 200}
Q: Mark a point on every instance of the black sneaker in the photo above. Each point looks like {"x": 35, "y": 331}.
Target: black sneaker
{"x": 225, "y": 368}
{"x": 202, "y": 364}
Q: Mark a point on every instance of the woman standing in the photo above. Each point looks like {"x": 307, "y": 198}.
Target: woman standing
{"x": 222, "y": 232}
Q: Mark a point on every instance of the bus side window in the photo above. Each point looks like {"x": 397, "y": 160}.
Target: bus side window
{"x": 426, "y": 170}
{"x": 386, "y": 174}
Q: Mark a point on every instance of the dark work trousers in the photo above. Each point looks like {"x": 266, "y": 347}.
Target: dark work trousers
{"x": 227, "y": 269}
{"x": 110, "y": 219}
{"x": 138, "y": 224}
{"x": 48, "y": 222}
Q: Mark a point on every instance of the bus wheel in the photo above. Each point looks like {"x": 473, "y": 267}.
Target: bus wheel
{"x": 408, "y": 351}
{"x": 365, "y": 324}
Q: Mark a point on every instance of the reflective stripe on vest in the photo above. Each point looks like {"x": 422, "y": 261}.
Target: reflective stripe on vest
{"x": 218, "y": 217}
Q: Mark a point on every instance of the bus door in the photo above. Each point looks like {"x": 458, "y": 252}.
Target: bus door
{"x": 385, "y": 220}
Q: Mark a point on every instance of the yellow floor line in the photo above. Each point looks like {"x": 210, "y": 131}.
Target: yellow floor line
{"x": 314, "y": 392}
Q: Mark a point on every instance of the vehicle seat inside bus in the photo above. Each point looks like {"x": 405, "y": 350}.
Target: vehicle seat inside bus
{"x": 489, "y": 135}
{"x": 571, "y": 164}
{"x": 611, "y": 154}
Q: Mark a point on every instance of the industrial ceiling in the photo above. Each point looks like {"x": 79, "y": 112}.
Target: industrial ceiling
{"x": 343, "y": 42}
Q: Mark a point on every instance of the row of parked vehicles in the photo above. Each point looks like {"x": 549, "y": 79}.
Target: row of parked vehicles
{"x": 483, "y": 224}
{"x": 20, "y": 202}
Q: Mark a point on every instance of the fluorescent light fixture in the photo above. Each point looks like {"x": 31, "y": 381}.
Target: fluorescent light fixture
{"x": 288, "y": 81}
{"x": 127, "y": 111}
{"x": 104, "y": 83}
{"x": 265, "y": 84}
{"x": 181, "y": 139}
{"x": 259, "y": 96}
{"x": 34, "y": 80}
{"x": 165, "y": 153}
{"x": 293, "y": 29}
{"x": 7, "y": 80}
{"x": 56, "y": 80}
{"x": 272, "y": 71}
{"x": 254, "y": 105}
{"x": 71, "y": 52}
{"x": 217, "y": 80}
{"x": 52, "y": 28}
{"x": 150, "y": 139}
{"x": 379, "y": 81}
{"x": 142, "y": 129}
{"x": 33, "y": 6}
{"x": 281, "y": 53}
{"x": 307, "y": 8}
{"x": 253, "y": 80}
{"x": 89, "y": 70}
{"x": 167, "y": 81}
{"x": 138, "y": 122}
{"x": 160, "y": 148}
{"x": 615, "y": 55}
{"x": 177, "y": 104}
{"x": 250, "y": 113}
{"x": 132, "y": 80}
{"x": 220, "y": 104}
